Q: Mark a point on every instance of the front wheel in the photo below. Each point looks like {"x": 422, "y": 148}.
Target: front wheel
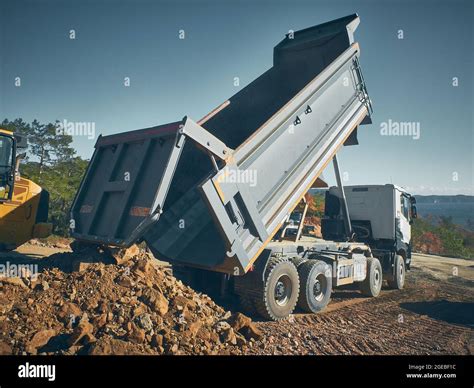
{"x": 397, "y": 281}
{"x": 372, "y": 284}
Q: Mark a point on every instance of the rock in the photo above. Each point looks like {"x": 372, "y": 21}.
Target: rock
{"x": 137, "y": 335}
{"x": 14, "y": 281}
{"x": 40, "y": 339}
{"x": 140, "y": 309}
{"x": 239, "y": 320}
{"x": 251, "y": 332}
{"x": 123, "y": 255}
{"x": 194, "y": 327}
{"x": 89, "y": 339}
{"x": 81, "y": 266}
{"x": 124, "y": 281}
{"x": 112, "y": 346}
{"x": 181, "y": 302}
{"x": 245, "y": 326}
{"x": 5, "y": 349}
{"x": 69, "y": 311}
{"x": 144, "y": 321}
{"x": 222, "y": 326}
{"x": 44, "y": 285}
{"x": 157, "y": 340}
{"x": 240, "y": 340}
{"x": 228, "y": 336}
{"x": 83, "y": 329}
{"x": 101, "y": 320}
{"x": 157, "y": 302}
{"x": 144, "y": 266}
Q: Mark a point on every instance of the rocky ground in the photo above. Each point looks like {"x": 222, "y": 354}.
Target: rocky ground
{"x": 135, "y": 306}
{"x": 75, "y": 306}
{"x": 428, "y": 317}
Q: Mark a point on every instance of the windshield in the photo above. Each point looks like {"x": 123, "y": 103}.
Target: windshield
{"x": 6, "y": 149}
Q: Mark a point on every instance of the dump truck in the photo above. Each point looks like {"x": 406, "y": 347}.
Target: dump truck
{"x": 211, "y": 196}
{"x": 24, "y": 204}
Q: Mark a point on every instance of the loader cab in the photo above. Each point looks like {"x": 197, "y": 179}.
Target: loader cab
{"x": 7, "y": 165}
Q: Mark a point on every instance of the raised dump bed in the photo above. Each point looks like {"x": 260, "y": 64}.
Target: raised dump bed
{"x": 212, "y": 194}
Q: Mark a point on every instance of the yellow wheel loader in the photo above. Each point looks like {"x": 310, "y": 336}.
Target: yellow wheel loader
{"x": 23, "y": 204}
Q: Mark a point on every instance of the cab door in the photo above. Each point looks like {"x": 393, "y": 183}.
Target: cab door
{"x": 404, "y": 217}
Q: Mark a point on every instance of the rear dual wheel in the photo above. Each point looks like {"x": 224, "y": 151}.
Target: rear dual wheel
{"x": 316, "y": 285}
{"x": 275, "y": 294}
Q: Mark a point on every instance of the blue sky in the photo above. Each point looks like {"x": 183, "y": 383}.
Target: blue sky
{"x": 409, "y": 79}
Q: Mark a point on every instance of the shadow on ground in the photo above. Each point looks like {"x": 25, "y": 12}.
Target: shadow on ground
{"x": 459, "y": 313}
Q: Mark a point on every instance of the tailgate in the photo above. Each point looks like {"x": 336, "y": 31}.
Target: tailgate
{"x": 125, "y": 184}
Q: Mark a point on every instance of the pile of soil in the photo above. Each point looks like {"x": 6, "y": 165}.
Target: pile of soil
{"x": 76, "y": 305}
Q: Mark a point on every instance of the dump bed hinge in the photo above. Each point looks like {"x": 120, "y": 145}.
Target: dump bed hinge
{"x": 204, "y": 138}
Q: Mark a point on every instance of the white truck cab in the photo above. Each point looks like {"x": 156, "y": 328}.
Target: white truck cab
{"x": 380, "y": 216}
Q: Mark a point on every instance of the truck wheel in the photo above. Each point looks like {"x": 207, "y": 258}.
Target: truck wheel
{"x": 372, "y": 284}
{"x": 316, "y": 285}
{"x": 280, "y": 290}
{"x": 397, "y": 281}
{"x": 297, "y": 261}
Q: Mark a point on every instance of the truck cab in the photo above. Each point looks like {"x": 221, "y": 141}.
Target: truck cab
{"x": 380, "y": 216}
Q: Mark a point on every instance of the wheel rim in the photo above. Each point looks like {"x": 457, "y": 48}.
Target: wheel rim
{"x": 319, "y": 287}
{"x": 377, "y": 278}
{"x": 402, "y": 272}
{"x": 283, "y": 289}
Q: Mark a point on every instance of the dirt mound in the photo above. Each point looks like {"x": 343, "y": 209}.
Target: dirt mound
{"x": 137, "y": 307}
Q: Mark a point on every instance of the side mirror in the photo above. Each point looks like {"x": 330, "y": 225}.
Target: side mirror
{"x": 414, "y": 214}
{"x": 7, "y": 166}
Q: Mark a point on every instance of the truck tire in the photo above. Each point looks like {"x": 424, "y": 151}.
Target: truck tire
{"x": 397, "y": 281}
{"x": 315, "y": 285}
{"x": 372, "y": 284}
{"x": 297, "y": 261}
{"x": 280, "y": 290}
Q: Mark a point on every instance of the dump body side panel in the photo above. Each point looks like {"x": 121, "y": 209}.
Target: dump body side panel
{"x": 285, "y": 157}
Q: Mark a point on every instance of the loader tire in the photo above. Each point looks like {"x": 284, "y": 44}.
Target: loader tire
{"x": 315, "y": 285}
{"x": 397, "y": 281}
{"x": 372, "y": 284}
{"x": 280, "y": 290}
